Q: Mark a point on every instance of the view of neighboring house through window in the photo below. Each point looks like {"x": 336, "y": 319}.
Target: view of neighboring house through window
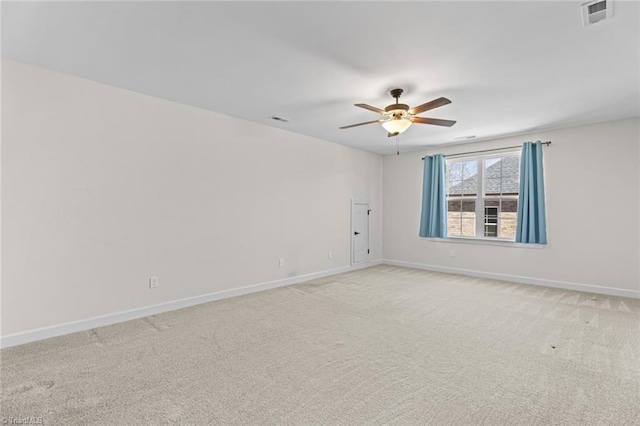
{"x": 482, "y": 196}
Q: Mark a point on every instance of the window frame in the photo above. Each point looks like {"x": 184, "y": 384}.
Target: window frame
{"x": 481, "y": 197}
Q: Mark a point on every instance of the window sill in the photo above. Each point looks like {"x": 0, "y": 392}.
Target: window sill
{"x": 486, "y": 242}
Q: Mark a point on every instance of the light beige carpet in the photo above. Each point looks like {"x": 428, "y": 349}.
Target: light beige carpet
{"x": 384, "y": 345}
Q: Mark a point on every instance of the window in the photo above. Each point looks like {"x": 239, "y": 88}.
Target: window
{"x": 482, "y": 196}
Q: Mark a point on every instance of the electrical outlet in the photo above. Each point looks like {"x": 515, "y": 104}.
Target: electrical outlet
{"x": 281, "y": 262}
{"x": 330, "y": 256}
{"x": 153, "y": 282}
{"x": 452, "y": 253}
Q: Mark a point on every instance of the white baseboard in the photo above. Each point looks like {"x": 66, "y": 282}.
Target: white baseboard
{"x": 109, "y": 319}
{"x": 610, "y": 291}
{"x": 104, "y": 320}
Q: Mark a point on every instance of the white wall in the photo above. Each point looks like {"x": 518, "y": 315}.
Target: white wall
{"x": 103, "y": 188}
{"x": 593, "y": 191}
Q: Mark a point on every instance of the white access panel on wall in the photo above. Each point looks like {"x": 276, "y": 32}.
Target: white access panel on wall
{"x": 359, "y": 232}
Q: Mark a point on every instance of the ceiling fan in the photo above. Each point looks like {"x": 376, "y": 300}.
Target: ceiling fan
{"x": 396, "y": 118}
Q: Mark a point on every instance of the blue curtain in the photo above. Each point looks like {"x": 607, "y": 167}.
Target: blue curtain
{"x": 532, "y": 223}
{"x": 433, "y": 219}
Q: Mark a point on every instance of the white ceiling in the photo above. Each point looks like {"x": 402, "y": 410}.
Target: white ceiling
{"x": 508, "y": 67}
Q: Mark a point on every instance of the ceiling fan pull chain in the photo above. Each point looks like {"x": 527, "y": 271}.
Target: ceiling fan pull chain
{"x": 398, "y": 145}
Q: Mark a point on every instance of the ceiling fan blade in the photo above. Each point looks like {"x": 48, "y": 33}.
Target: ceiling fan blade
{"x": 429, "y": 105}
{"x": 370, "y": 108}
{"x": 436, "y": 121}
{"x": 360, "y": 124}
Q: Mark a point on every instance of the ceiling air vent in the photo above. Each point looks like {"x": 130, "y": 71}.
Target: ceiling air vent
{"x": 596, "y": 11}
{"x": 275, "y": 117}
{"x": 464, "y": 138}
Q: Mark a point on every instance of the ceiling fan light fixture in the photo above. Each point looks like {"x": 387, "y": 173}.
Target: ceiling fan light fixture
{"x": 396, "y": 125}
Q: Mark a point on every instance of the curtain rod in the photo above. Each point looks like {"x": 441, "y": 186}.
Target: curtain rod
{"x": 489, "y": 150}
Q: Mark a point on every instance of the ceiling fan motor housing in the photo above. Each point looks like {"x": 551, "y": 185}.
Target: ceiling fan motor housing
{"x": 397, "y": 107}
{"x": 397, "y": 110}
